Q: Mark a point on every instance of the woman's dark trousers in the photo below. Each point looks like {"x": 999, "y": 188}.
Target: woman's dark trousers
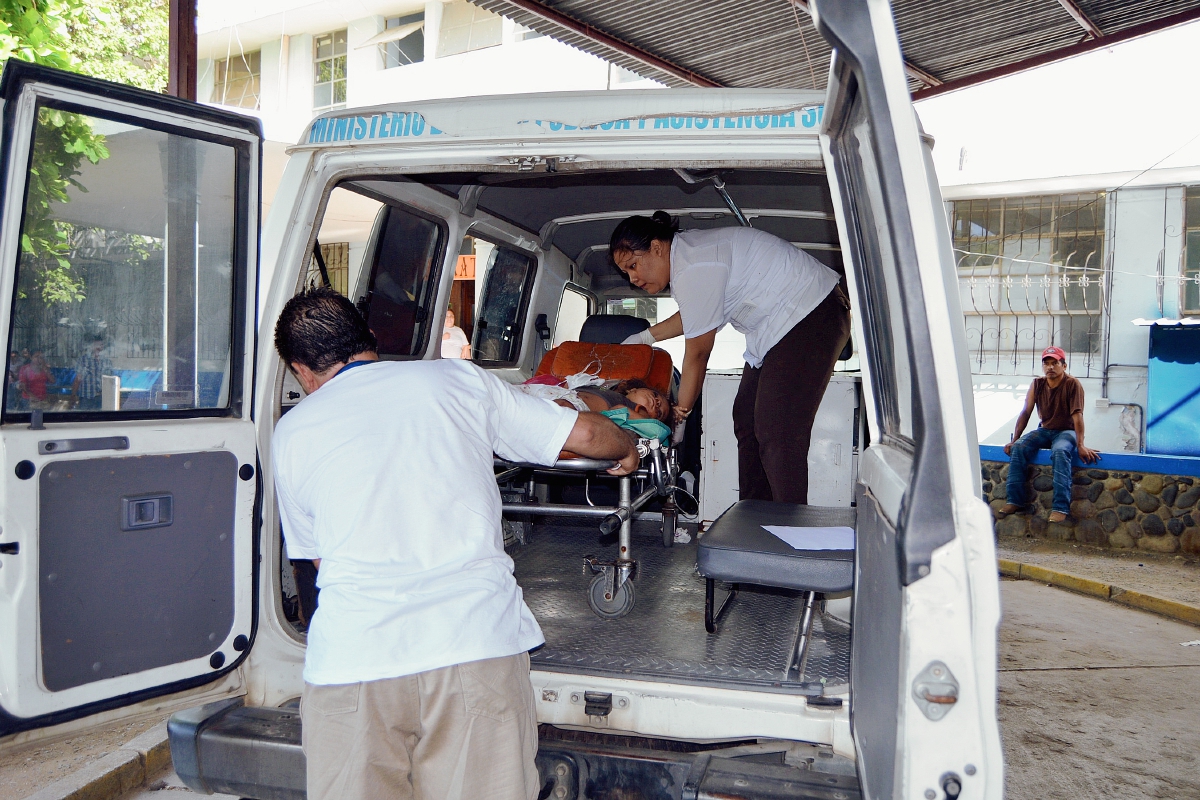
{"x": 776, "y": 403}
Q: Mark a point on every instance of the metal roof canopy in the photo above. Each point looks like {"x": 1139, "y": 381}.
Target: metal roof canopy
{"x": 947, "y": 44}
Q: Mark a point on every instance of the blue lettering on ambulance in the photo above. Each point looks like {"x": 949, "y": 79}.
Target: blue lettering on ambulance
{"x": 418, "y": 124}
{"x": 316, "y": 131}
{"x": 787, "y": 120}
{"x": 360, "y": 127}
{"x": 384, "y": 120}
{"x": 701, "y": 123}
{"x": 340, "y": 126}
{"x": 661, "y": 122}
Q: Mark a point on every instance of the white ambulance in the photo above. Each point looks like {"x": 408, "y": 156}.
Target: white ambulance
{"x": 141, "y": 562}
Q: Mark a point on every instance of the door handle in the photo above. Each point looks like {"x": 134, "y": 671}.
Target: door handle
{"x": 48, "y": 447}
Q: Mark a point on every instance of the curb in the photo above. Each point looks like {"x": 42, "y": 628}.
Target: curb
{"x": 121, "y": 771}
{"x": 1172, "y": 609}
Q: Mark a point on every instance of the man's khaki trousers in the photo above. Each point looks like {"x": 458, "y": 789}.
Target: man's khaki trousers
{"x": 467, "y": 731}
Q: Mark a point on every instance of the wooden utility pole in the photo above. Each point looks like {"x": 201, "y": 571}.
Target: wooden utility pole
{"x": 181, "y": 71}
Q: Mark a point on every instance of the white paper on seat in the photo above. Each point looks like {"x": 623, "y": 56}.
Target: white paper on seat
{"x": 839, "y": 538}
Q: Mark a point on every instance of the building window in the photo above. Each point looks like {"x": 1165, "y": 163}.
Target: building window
{"x": 237, "y": 80}
{"x": 407, "y": 44}
{"x": 467, "y": 27}
{"x": 1031, "y": 274}
{"x": 1191, "y": 264}
{"x": 329, "y": 71}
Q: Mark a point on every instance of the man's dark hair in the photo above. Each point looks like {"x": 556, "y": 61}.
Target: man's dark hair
{"x": 319, "y": 328}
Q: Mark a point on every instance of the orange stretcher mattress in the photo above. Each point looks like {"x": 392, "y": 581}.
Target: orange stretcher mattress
{"x": 611, "y": 362}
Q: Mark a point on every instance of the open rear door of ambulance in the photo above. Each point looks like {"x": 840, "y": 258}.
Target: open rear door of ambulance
{"x": 128, "y": 255}
{"x": 926, "y": 605}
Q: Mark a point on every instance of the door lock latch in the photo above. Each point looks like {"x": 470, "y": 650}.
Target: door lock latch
{"x": 935, "y": 690}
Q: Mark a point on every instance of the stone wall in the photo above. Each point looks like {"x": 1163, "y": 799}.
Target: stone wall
{"x": 1160, "y": 513}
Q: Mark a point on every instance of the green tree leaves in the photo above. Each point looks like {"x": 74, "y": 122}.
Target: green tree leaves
{"x": 117, "y": 40}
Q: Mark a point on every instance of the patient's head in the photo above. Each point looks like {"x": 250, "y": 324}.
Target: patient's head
{"x": 651, "y": 403}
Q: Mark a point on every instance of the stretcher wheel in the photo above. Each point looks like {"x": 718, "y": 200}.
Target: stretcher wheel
{"x": 614, "y": 607}
{"x": 668, "y": 527}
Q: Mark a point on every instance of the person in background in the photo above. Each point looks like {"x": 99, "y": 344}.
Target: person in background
{"x": 1059, "y": 401}
{"x": 35, "y": 378}
{"x": 88, "y": 387}
{"x": 454, "y": 340}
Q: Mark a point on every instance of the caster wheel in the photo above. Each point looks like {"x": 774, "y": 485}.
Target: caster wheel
{"x": 612, "y": 607}
{"x": 668, "y": 527}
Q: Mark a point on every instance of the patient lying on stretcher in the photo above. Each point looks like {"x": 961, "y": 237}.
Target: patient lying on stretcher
{"x": 627, "y": 403}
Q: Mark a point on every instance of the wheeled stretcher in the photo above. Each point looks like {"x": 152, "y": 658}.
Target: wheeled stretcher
{"x": 611, "y": 593}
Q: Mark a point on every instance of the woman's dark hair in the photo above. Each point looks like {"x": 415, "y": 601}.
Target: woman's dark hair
{"x": 319, "y": 328}
{"x": 629, "y": 384}
{"x": 634, "y": 234}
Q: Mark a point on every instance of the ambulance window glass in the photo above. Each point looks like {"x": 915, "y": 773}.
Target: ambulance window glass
{"x": 403, "y": 278}
{"x": 344, "y": 235}
{"x": 505, "y": 298}
{"x": 130, "y": 276}
{"x": 883, "y": 320}
{"x": 573, "y": 311}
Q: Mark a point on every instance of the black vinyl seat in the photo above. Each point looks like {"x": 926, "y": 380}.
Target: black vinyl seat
{"x": 611, "y": 328}
{"x": 737, "y": 549}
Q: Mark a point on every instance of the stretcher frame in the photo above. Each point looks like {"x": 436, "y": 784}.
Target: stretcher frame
{"x": 611, "y": 593}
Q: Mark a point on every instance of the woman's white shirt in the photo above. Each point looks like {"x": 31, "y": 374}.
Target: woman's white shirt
{"x": 750, "y": 279}
{"x": 453, "y": 341}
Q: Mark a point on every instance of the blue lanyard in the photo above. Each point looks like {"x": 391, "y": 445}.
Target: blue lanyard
{"x": 351, "y": 366}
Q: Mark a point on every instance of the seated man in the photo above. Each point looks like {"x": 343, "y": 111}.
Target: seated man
{"x": 1059, "y": 401}
{"x": 416, "y": 675}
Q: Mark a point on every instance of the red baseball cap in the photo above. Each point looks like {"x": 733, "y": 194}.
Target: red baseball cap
{"x": 1055, "y": 352}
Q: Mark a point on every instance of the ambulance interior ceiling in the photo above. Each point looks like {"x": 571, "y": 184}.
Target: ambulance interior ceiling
{"x": 794, "y": 205}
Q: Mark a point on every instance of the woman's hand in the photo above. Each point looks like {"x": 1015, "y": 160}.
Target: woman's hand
{"x": 681, "y": 414}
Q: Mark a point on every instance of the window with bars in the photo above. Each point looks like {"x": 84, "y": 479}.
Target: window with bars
{"x": 337, "y": 266}
{"x": 237, "y": 80}
{"x": 1190, "y": 291}
{"x": 1031, "y": 274}
{"x": 409, "y": 47}
{"x": 329, "y": 71}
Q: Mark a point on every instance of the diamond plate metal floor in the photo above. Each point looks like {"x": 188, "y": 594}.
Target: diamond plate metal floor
{"x": 663, "y": 637}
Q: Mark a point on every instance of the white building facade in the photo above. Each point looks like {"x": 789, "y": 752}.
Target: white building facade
{"x": 1074, "y": 262}
{"x": 287, "y": 60}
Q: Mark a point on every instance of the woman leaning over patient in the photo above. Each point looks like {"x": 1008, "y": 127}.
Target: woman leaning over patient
{"x": 795, "y": 317}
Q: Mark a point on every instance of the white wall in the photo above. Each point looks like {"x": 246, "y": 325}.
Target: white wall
{"x": 283, "y": 30}
{"x": 1123, "y": 108}
{"x": 537, "y": 65}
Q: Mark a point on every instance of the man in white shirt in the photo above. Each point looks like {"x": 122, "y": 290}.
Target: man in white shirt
{"x": 417, "y": 668}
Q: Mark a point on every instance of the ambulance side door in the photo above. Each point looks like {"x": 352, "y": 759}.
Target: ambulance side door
{"x": 128, "y": 263}
{"x": 926, "y": 603}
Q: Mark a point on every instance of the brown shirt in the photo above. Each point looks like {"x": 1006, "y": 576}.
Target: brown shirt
{"x": 1056, "y": 405}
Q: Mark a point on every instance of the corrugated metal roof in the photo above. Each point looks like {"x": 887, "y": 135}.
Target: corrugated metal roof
{"x": 772, "y": 43}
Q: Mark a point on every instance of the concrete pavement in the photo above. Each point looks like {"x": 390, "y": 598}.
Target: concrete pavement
{"x": 1096, "y": 700}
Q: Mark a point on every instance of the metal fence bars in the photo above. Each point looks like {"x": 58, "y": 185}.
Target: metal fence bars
{"x": 1032, "y": 273}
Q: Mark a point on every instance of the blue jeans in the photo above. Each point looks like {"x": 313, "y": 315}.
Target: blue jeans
{"x": 1062, "y": 456}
